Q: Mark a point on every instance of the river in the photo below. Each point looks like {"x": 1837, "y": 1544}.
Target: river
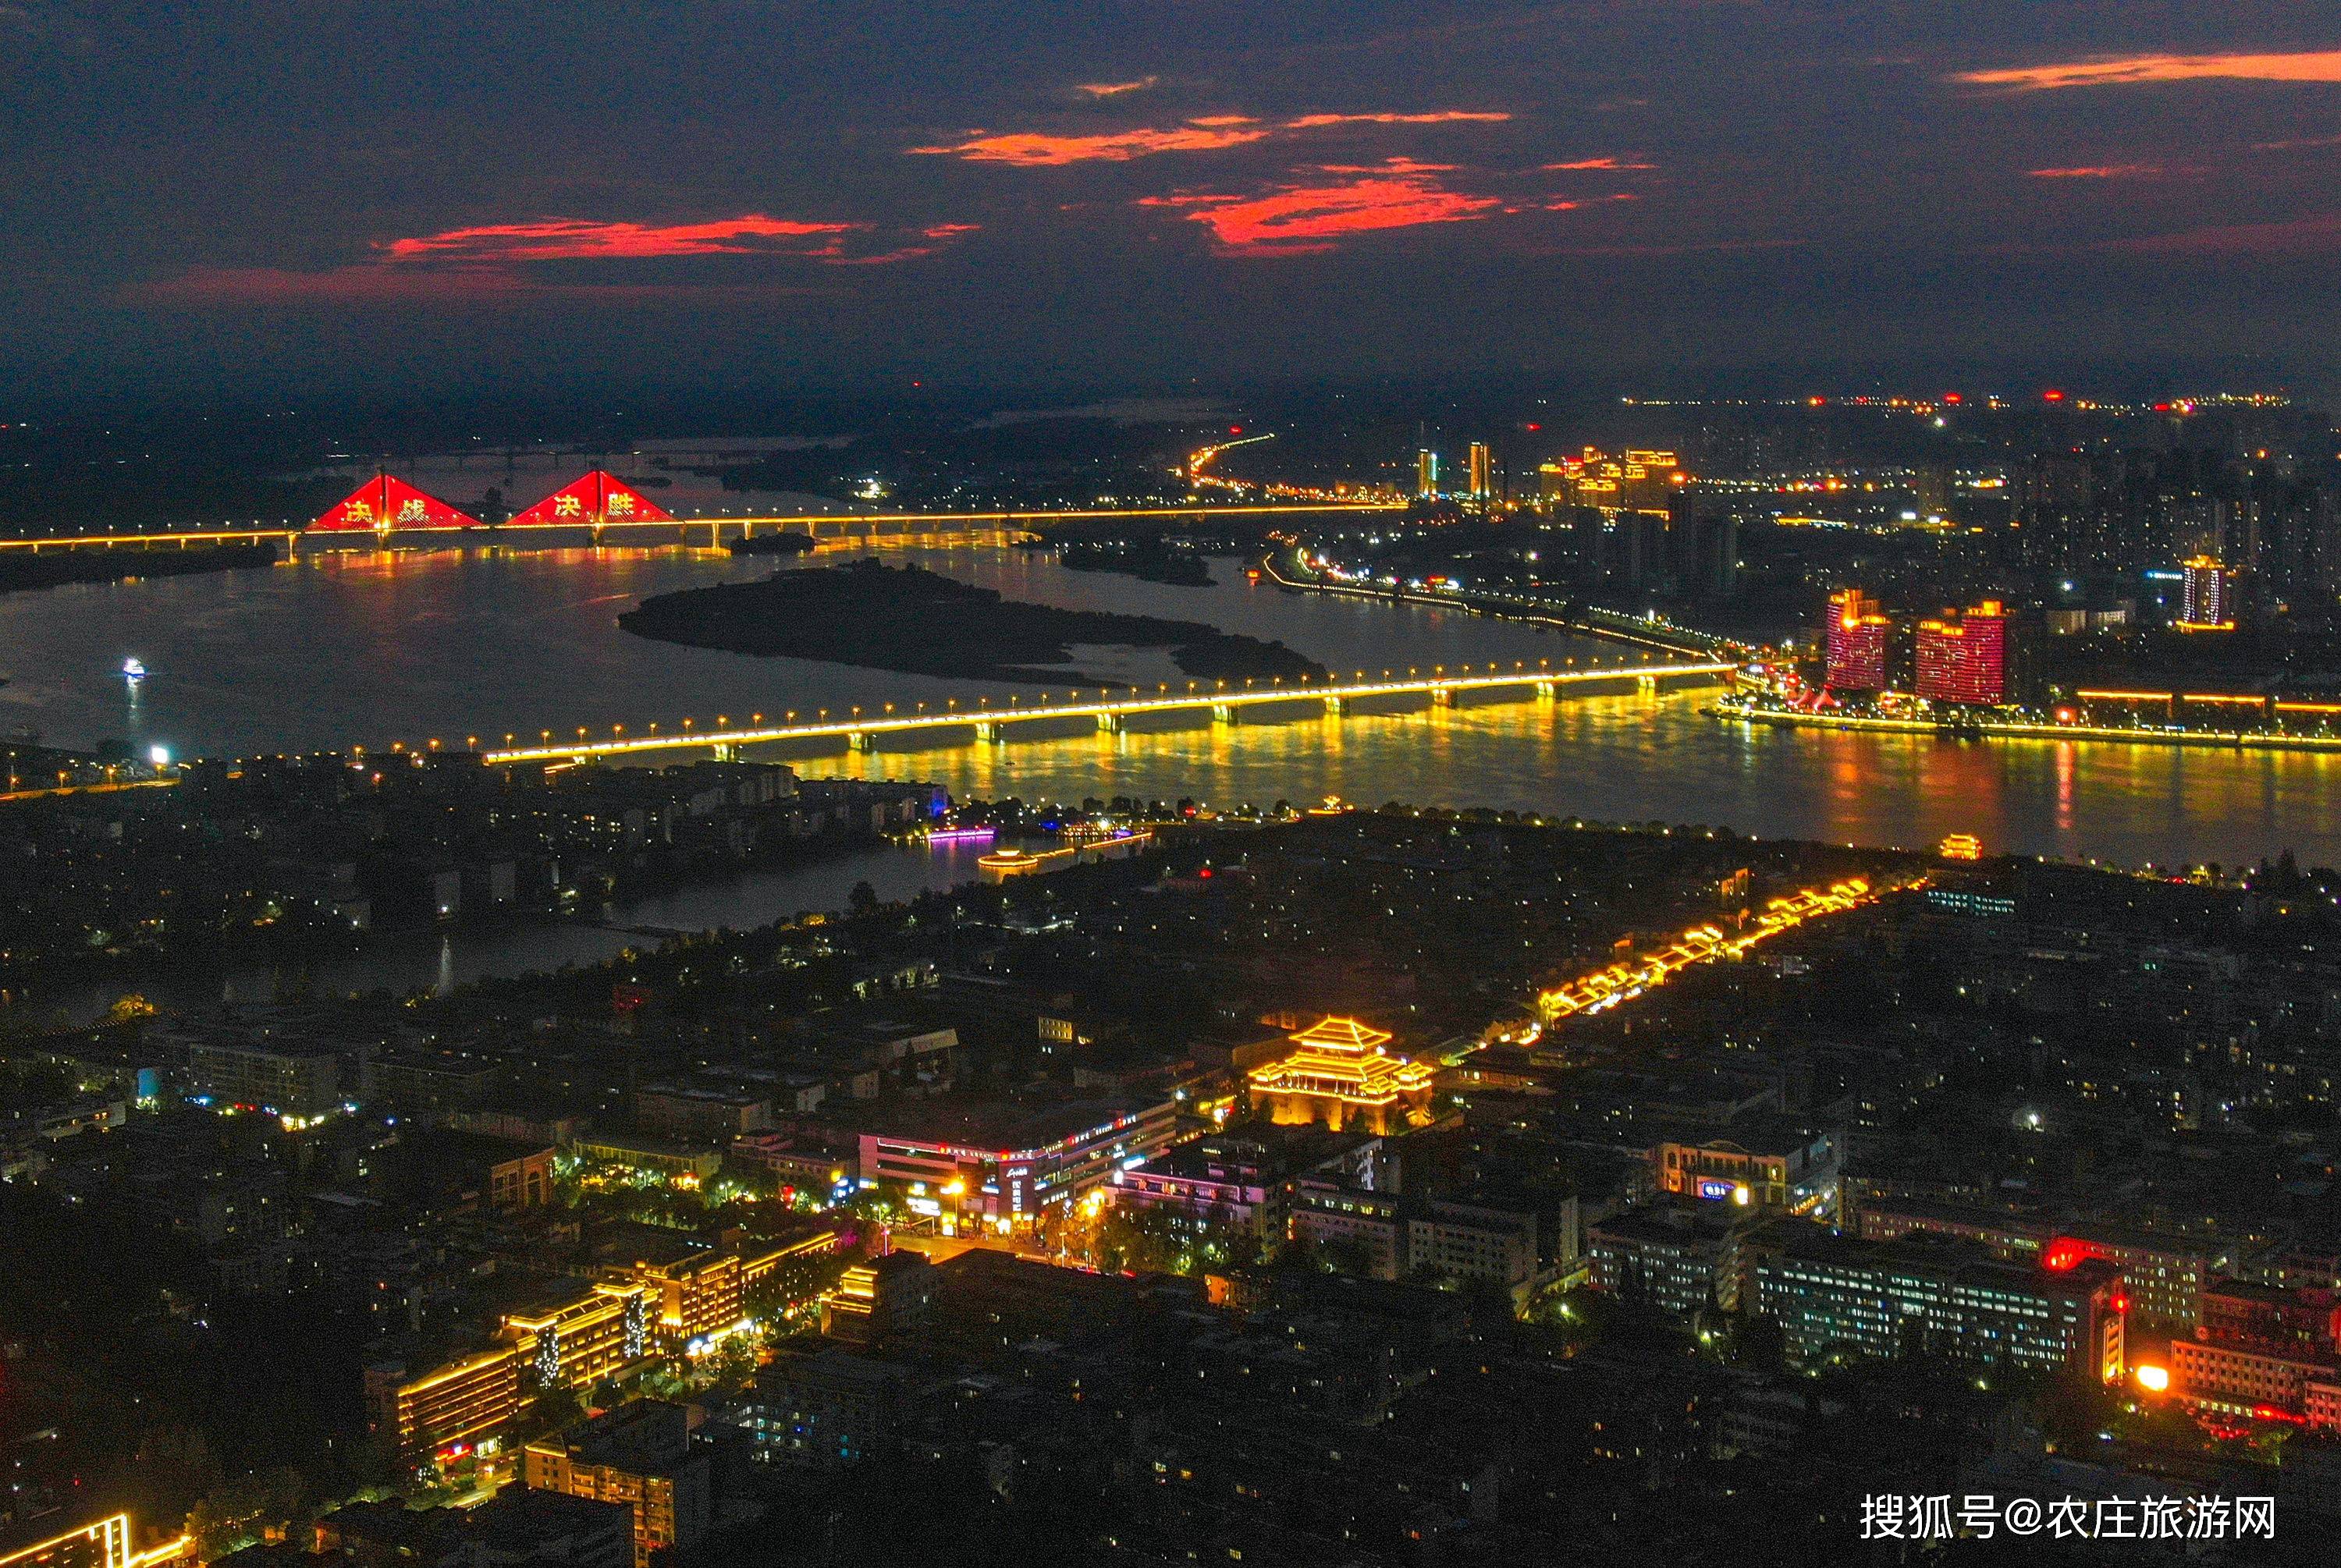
{"x": 373, "y": 648}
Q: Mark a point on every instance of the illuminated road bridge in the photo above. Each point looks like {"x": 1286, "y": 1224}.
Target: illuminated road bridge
{"x": 990, "y": 720}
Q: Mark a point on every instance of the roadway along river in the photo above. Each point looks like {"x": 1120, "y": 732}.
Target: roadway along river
{"x": 373, "y": 648}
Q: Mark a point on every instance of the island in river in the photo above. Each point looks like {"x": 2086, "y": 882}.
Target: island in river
{"x": 1149, "y": 560}
{"x": 923, "y": 623}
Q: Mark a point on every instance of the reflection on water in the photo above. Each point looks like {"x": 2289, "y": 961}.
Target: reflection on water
{"x": 374, "y": 648}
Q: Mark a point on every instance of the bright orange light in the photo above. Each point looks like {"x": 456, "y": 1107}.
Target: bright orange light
{"x": 2153, "y": 1379}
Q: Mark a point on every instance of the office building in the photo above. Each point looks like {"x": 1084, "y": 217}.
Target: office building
{"x": 2242, "y": 1380}
{"x": 1833, "y": 1295}
{"x": 1483, "y": 476}
{"x": 1426, "y": 474}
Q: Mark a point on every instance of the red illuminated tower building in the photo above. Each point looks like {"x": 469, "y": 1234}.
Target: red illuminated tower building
{"x": 1965, "y": 660}
{"x": 1856, "y": 649}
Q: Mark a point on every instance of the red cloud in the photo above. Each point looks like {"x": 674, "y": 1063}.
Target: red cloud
{"x": 1606, "y": 163}
{"x": 2098, "y": 172}
{"x": 1205, "y": 134}
{"x": 1436, "y": 117}
{"x": 1114, "y": 89}
{"x": 1295, "y": 220}
{"x": 562, "y": 239}
{"x": 1035, "y": 149}
{"x": 2311, "y": 65}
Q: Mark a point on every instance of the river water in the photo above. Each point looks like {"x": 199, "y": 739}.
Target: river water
{"x": 373, "y": 648}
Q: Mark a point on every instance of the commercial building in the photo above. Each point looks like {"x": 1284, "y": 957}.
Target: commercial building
{"x": 1854, "y": 653}
{"x": 995, "y": 1165}
{"x": 451, "y": 1408}
{"x": 1483, "y": 483}
{"x": 697, "y": 1296}
{"x": 107, "y": 1542}
{"x": 1837, "y": 1296}
{"x": 581, "y": 1332}
{"x": 1779, "y": 1168}
{"x": 1426, "y": 474}
{"x": 1339, "y": 1074}
{"x": 1965, "y": 660}
{"x": 1226, "y": 1181}
{"x": 639, "y": 1454}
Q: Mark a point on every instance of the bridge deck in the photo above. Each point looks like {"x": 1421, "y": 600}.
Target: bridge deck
{"x": 858, "y": 725}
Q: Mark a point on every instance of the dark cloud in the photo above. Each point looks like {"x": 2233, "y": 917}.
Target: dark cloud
{"x": 232, "y": 194}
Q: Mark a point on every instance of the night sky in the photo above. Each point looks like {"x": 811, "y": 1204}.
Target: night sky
{"x": 452, "y": 198}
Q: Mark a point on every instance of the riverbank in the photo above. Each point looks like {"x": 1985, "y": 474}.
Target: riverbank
{"x": 919, "y": 622}
{"x": 1739, "y": 709}
{"x": 1607, "y": 625}
{"x": 23, "y": 571}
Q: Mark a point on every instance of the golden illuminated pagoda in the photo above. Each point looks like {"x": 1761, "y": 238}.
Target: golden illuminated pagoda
{"x": 1340, "y": 1074}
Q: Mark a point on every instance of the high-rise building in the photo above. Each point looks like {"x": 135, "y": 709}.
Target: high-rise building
{"x": 1965, "y": 660}
{"x": 1855, "y": 651}
{"x": 1483, "y": 471}
{"x": 2206, "y": 597}
{"x": 1426, "y": 474}
{"x": 1640, "y": 481}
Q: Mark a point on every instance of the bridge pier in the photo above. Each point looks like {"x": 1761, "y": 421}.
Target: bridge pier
{"x": 1442, "y": 697}
{"x": 1645, "y": 683}
{"x": 858, "y": 740}
{"x": 1109, "y": 724}
{"x": 1335, "y": 706}
{"x": 1223, "y": 713}
{"x": 987, "y": 732}
{"x": 1547, "y": 689}
{"x": 727, "y": 751}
